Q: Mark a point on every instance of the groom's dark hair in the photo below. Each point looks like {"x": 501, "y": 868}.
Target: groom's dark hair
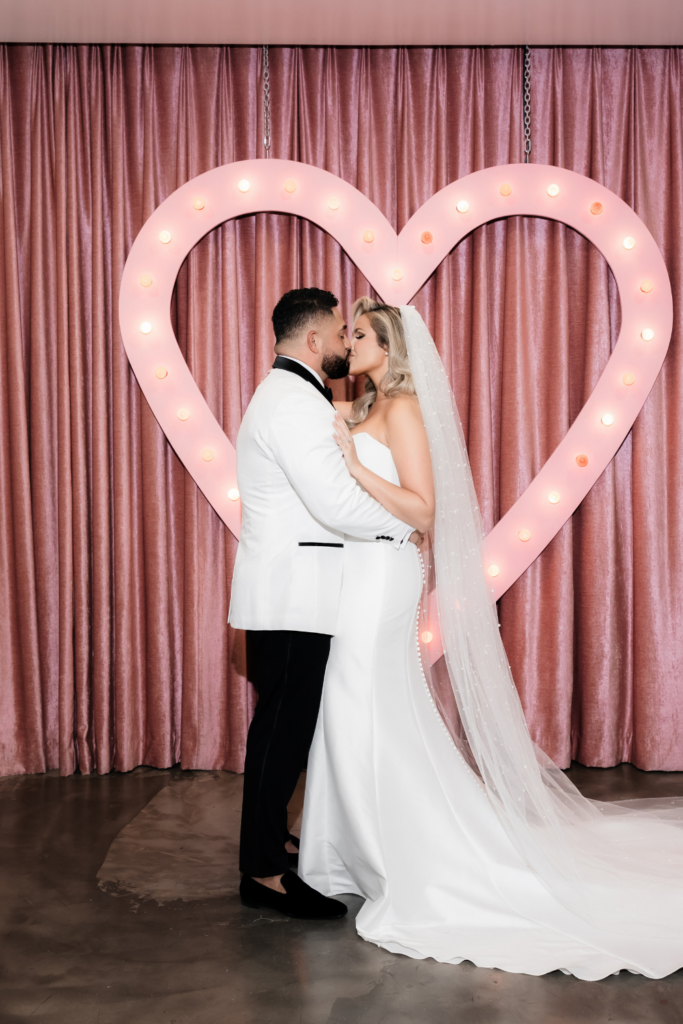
{"x": 301, "y": 309}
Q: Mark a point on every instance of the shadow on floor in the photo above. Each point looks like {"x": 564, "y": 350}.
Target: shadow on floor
{"x": 118, "y": 904}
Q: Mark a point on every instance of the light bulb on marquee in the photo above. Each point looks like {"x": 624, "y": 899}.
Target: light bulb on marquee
{"x": 243, "y": 185}
{"x": 368, "y": 236}
{"x": 207, "y": 455}
{"x": 553, "y": 190}
{"x": 596, "y": 209}
{"x": 183, "y": 414}
{"x": 505, "y": 189}
{"x": 233, "y": 494}
{"x": 290, "y": 186}
{"x": 333, "y": 203}
{"x": 198, "y": 203}
{"x": 426, "y": 238}
{"x": 648, "y": 334}
{"x": 607, "y": 419}
{"x": 165, "y": 237}
{"x": 629, "y": 242}
{"x": 553, "y": 497}
{"x": 646, "y": 286}
{"x": 463, "y": 206}
{"x": 427, "y": 636}
{"x": 582, "y": 461}
{"x": 397, "y": 274}
{"x": 161, "y": 372}
{"x": 628, "y": 379}
{"x": 493, "y": 570}
{"x": 524, "y": 535}
{"x": 145, "y": 327}
{"x": 145, "y": 280}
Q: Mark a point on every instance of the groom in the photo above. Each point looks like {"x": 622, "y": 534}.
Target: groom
{"x": 298, "y": 503}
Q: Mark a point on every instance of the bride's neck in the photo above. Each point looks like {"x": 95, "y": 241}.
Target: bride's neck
{"x": 380, "y": 396}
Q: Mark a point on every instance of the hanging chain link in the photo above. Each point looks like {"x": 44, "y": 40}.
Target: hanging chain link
{"x": 266, "y": 101}
{"x": 527, "y": 103}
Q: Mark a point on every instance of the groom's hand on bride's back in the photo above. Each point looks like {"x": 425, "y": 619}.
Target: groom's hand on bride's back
{"x": 416, "y": 538}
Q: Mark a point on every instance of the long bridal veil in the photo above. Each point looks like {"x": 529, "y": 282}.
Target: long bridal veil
{"x": 587, "y": 854}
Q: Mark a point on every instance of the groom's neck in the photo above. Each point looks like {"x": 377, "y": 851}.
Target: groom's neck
{"x": 303, "y": 354}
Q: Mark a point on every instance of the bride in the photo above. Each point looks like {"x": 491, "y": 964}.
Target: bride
{"x": 465, "y": 840}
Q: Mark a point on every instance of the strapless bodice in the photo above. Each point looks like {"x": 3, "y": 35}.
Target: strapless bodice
{"x": 376, "y": 456}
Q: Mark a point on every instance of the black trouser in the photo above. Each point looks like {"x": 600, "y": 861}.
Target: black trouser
{"x": 287, "y": 669}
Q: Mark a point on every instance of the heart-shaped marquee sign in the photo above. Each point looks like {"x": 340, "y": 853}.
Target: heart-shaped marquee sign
{"x": 397, "y": 267}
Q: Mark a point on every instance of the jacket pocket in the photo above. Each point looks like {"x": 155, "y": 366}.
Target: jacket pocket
{"x": 318, "y": 544}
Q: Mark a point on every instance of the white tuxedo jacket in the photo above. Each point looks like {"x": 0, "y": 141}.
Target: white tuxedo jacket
{"x": 298, "y": 502}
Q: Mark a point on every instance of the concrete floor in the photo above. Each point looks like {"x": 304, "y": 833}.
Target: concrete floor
{"x": 118, "y": 904}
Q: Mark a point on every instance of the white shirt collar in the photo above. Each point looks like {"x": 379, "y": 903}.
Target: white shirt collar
{"x": 306, "y": 367}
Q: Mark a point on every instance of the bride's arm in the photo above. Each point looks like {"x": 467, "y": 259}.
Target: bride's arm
{"x": 413, "y": 501}
{"x": 343, "y": 408}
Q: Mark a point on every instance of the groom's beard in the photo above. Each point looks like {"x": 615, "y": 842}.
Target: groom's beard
{"x": 336, "y": 367}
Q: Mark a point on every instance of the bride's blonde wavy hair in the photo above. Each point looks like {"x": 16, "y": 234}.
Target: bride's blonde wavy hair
{"x": 387, "y": 324}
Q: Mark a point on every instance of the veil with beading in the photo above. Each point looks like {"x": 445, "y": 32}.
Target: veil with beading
{"x": 585, "y": 852}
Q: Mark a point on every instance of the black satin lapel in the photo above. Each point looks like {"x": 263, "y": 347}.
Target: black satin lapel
{"x": 283, "y": 363}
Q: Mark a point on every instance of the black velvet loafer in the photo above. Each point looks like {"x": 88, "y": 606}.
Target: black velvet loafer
{"x": 298, "y": 900}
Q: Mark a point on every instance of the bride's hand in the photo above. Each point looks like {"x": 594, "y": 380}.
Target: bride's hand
{"x": 343, "y": 438}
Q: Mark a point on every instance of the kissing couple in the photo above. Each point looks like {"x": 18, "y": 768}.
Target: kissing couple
{"x": 464, "y": 839}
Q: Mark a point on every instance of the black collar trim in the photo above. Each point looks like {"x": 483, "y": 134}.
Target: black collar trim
{"x": 283, "y": 363}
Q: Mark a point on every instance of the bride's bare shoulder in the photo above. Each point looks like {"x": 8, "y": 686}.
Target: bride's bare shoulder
{"x": 403, "y": 409}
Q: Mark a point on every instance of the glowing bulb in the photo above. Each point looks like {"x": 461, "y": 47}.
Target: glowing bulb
{"x": 505, "y": 190}
{"x": 243, "y": 185}
{"x": 145, "y": 280}
{"x": 596, "y": 209}
{"x": 183, "y": 414}
{"x": 161, "y": 372}
{"x": 628, "y": 379}
{"x": 233, "y": 494}
{"x": 145, "y": 327}
{"x": 290, "y": 186}
{"x": 629, "y": 242}
{"x": 463, "y": 206}
{"x": 426, "y": 237}
{"x": 553, "y": 497}
{"x": 648, "y": 334}
{"x": 397, "y": 274}
{"x": 646, "y": 286}
{"x": 493, "y": 570}
{"x": 165, "y": 237}
{"x": 207, "y": 455}
{"x": 198, "y": 203}
{"x": 333, "y": 203}
{"x": 607, "y": 419}
{"x": 368, "y": 236}
{"x": 524, "y": 535}
{"x": 427, "y": 637}
{"x": 553, "y": 190}
{"x": 582, "y": 461}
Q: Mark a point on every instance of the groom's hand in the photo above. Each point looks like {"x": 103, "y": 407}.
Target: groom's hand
{"x": 416, "y": 538}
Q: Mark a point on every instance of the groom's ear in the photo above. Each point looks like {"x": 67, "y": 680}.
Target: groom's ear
{"x": 313, "y": 341}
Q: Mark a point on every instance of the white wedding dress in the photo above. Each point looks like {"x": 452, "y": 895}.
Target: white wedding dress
{"x": 394, "y": 813}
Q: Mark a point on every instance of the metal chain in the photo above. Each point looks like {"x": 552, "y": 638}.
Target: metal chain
{"x": 527, "y": 103}
{"x": 266, "y": 101}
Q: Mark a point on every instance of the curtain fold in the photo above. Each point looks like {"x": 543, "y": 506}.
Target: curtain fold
{"x": 115, "y": 572}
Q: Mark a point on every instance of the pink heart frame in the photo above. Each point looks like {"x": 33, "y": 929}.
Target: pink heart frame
{"x": 397, "y": 266}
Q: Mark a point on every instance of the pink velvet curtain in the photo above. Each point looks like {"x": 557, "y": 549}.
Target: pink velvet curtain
{"x": 114, "y": 571}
